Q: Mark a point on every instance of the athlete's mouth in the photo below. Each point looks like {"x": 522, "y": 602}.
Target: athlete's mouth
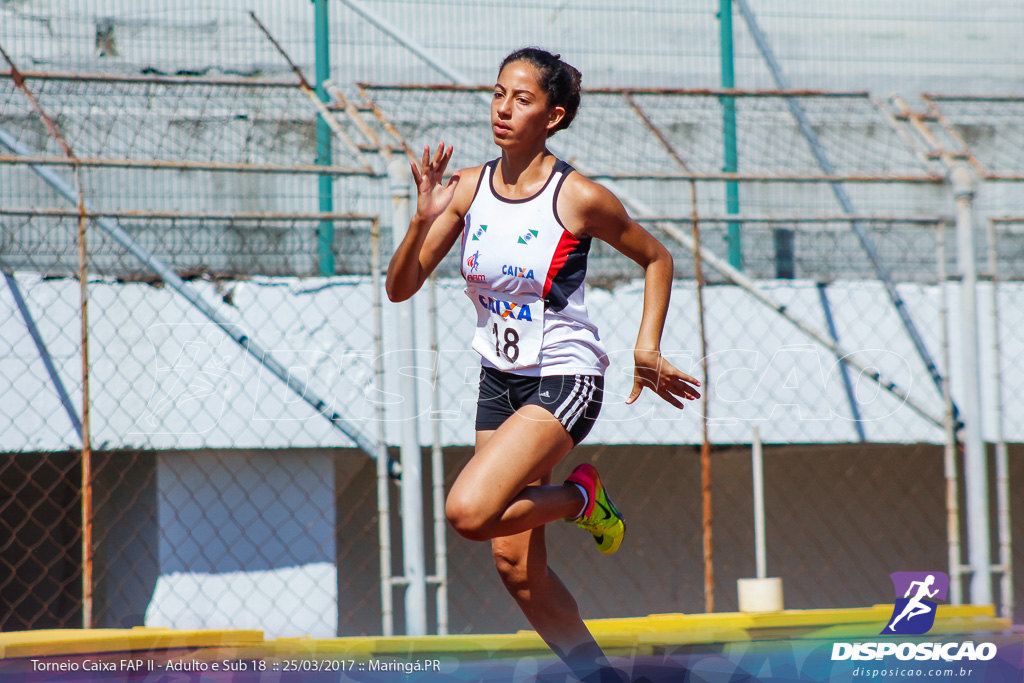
{"x": 500, "y": 128}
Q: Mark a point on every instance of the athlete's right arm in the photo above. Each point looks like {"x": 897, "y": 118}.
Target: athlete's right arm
{"x": 437, "y": 223}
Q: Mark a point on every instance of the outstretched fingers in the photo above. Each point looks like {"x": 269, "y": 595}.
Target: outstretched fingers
{"x": 666, "y": 381}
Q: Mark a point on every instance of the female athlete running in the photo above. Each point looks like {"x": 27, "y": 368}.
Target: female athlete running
{"x": 526, "y": 221}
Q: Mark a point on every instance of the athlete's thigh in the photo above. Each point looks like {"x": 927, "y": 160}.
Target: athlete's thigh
{"x": 525, "y": 448}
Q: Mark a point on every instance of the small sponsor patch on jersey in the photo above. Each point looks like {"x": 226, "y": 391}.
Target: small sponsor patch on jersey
{"x": 529, "y": 235}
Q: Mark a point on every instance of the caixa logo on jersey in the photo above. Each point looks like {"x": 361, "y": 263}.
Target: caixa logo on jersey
{"x": 506, "y": 309}
{"x": 516, "y": 271}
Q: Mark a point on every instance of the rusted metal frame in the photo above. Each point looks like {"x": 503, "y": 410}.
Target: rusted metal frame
{"x": 314, "y": 99}
{"x": 152, "y": 79}
{"x": 83, "y": 256}
{"x": 952, "y": 132}
{"x": 181, "y": 165}
{"x": 705, "y": 446}
{"x": 697, "y": 92}
{"x": 386, "y": 122}
{"x": 179, "y": 215}
{"x": 672, "y": 151}
{"x": 923, "y": 130}
{"x": 907, "y": 138}
{"x": 355, "y": 115}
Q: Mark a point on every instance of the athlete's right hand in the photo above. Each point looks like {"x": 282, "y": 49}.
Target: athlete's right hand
{"x": 432, "y": 198}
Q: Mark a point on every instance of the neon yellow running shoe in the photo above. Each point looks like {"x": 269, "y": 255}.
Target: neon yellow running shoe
{"x": 600, "y": 517}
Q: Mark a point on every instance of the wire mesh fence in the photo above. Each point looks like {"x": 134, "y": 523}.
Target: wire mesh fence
{"x": 221, "y": 497}
{"x": 923, "y": 45}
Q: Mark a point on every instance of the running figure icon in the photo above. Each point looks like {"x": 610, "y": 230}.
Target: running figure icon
{"x": 915, "y": 606}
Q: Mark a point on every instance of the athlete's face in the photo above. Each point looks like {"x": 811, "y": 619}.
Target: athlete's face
{"x": 519, "y": 110}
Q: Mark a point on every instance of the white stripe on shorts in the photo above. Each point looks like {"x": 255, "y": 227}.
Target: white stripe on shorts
{"x": 568, "y": 401}
{"x": 582, "y": 403}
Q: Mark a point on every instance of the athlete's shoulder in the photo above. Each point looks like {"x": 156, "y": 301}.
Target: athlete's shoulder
{"x": 581, "y": 190}
{"x": 583, "y": 203}
{"x": 469, "y": 182}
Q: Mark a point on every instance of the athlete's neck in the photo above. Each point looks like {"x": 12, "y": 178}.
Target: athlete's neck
{"x": 522, "y": 175}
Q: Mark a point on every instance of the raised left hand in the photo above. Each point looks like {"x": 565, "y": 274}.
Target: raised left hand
{"x": 657, "y": 374}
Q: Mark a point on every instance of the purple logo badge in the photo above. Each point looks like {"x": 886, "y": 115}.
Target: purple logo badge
{"x": 916, "y": 592}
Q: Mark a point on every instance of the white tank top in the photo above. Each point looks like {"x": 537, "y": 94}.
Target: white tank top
{"x": 524, "y": 273}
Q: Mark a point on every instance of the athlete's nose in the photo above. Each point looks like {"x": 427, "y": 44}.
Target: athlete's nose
{"x": 504, "y": 107}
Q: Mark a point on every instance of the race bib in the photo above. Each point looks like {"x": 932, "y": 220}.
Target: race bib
{"x": 509, "y": 331}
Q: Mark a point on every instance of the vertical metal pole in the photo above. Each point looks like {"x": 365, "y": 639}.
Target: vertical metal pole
{"x": 323, "y": 139}
{"x": 83, "y": 279}
{"x": 732, "y": 189}
{"x": 705, "y": 448}
{"x": 437, "y": 476}
{"x": 383, "y": 497}
{"x": 44, "y": 353}
{"x": 760, "y": 550}
{"x": 975, "y": 457}
{"x": 851, "y": 398}
{"x": 1002, "y": 463}
{"x": 400, "y": 179}
{"x": 949, "y": 424}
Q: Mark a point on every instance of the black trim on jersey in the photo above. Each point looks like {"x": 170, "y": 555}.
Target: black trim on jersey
{"x": 568, "y": 279}
{"x": 480, "y": 180}
{"x": 494, "y": 165}
{"x": 566, "y": 168}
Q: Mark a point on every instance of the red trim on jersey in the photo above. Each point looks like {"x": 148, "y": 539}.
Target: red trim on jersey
{"x": 566, "y": 243}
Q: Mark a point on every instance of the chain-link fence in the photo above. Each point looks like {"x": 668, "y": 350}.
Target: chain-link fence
{"x": 910, "y": 46}
{"x": 232, "y": 413}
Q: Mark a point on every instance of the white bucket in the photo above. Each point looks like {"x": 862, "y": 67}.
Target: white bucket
{"x": 760, "y": 595}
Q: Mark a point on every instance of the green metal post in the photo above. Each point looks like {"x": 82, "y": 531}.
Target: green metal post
{"x": 732, "y": 189}
{"x": 323, "y": 139}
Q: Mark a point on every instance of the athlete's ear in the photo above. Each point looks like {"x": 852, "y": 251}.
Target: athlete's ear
{"x": 557, "y": 114}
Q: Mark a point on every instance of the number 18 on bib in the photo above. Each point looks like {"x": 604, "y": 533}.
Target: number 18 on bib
{"x": 508, "y": 333}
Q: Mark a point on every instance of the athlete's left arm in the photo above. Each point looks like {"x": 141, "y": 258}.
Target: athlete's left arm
{"x": 602, "y": 215}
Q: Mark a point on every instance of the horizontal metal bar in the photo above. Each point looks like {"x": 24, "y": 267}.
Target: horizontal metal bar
{"x": 696, "y": 92}
{"x": 156, "y": 79}
{"x": 402, "y": 581}
{"x": 774, "y": 178}
{"x": 1004, "y": 177}
{"x": 927, "y": 221}
{"x": 1007, "y": 219}
{"x": 971, "y": 98}
{"x": 179, "y": 165}
{"x": 178, "y": 215}
{"x": 906, "y": 117}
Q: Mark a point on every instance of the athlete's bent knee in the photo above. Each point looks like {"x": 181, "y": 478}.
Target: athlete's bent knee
{"x": 512, "y": 568}
{"x": 467, "y": 518}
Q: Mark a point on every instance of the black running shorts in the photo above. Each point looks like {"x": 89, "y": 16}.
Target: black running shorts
{"x": 574, "y": 399}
